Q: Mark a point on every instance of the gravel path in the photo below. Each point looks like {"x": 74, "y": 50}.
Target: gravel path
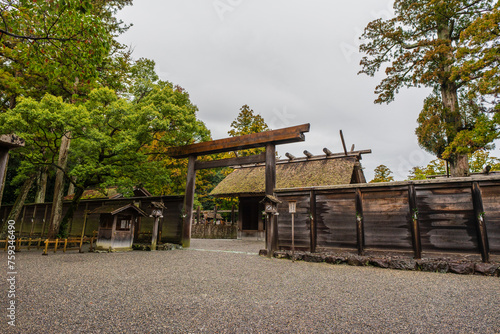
{"x": 222, "y": 286}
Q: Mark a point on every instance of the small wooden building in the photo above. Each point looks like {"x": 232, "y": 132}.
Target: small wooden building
{"x": 248, "y": 183}
{"x": 116, "y": 226}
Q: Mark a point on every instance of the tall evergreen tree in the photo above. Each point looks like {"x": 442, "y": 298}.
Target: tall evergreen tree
{"x": 419, "y": 47}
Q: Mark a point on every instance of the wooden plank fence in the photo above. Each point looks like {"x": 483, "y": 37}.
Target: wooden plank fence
{"x": 33, "y": 222}
{"x": 440, "y": 216}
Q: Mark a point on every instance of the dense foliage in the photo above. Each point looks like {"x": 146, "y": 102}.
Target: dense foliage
{"x": 425, "y": 45}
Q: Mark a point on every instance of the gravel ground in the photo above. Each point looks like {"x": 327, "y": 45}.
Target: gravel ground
{"x": 222, "y": 286}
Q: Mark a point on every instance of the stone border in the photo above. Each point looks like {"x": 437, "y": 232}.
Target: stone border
{"x": 441, "y": 265}
{"x": 147, "y": 247}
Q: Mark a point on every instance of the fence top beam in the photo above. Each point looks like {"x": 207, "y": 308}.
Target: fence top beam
{"x": 280, "y": 136}
{"x": 397, "y": 184}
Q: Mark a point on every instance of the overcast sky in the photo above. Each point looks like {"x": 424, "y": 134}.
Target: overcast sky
{"x": 291, "y": 61}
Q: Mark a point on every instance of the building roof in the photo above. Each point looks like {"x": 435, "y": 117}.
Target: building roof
{"x": 303, "y": 173}
{"x": 117, "y": 208}
{"x": 110, "y": 193}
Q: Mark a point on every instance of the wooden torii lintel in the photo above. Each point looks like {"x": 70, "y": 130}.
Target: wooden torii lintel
{"x": 267, "y": 139}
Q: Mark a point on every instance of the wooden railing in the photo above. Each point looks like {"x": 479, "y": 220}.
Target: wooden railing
{"x": 65, "y": 244}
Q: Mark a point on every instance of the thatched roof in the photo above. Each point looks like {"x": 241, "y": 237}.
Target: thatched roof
{"x": 251, "y": 180}
{"x": 110, "y": 193}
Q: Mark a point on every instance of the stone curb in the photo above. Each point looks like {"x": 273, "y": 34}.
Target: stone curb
{"x": 440, "y": 265}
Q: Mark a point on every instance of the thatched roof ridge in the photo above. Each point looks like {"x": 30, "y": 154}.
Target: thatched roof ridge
{"x": 251, "y": 180}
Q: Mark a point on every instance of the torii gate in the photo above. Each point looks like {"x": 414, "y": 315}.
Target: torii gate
{"x": 267, "y": 139}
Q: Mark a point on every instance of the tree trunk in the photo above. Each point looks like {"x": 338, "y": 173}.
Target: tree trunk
{"x": 68, "y": 217}
{"x": 71, "y": 188}
{"x": 41, "y": 184}
{"x": 459, "y": 165}
{"x": 19, "y": 203}
{"x": 57, "y": 203}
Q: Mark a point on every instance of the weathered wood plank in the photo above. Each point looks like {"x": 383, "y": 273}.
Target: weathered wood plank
{"x": 360, "y": 234}
{"x": 272, "y": 222}
{"x": 261, "y": 139}
{"x": 482, "y": 235}
{"x": 415, "y": 227}
{"x": 312, "y": 219}
{"x": 252, "y": 159}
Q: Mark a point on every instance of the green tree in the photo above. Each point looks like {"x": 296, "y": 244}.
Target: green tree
{"x": 44, "y": 125}
{"x": 480, "y": 53}
{"x": 417, "y": 173}
{"x": 480, "y": 159}
{"x": 420, "y": 44}
{"x": 477, "y": 132}
{"x": 246, "y": 123}
{"x": 59, "y": 47}
{"x": 111, "y": 138}
{"x": 382, "y": 174}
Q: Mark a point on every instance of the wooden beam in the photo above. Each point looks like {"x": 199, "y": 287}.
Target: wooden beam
{"x": 272, "y": 222}
{"x": 312, "y": 212}
{"x": 327, "y": 151}
{"x": 482, "y": 235}
{"x": 188, "y": 202}
{"x": 270, "y": 169}
{"x": 360, "y": 228}
{"x": 415, "y": 228}
{"x": 343, "y": 142}
{"x": 252, "y": 159}
{"x": 261, "y": 139}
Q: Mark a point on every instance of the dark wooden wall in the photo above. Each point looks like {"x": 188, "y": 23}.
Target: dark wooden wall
{"x": 421, "y": 216}
{"x": 33, "y": 218}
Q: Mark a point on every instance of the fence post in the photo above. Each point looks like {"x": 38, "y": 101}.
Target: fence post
{"x": 312, "y": 209}
{"x": 360, "y": 228}
{"x": 55, "y": 247}
{"x": 65, "y": 244}
{"x": 45, "y": 251}
{"x": 482, "y": 235}
{"x": 415, "y": 228}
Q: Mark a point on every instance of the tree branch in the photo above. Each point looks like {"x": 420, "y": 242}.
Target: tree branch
{"x": 35, "y": 38}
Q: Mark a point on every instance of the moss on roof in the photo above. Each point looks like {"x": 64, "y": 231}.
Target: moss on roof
{"x": 251, "y": 180}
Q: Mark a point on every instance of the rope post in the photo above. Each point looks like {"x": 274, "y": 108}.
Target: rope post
{"x": 45, "y": 251}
